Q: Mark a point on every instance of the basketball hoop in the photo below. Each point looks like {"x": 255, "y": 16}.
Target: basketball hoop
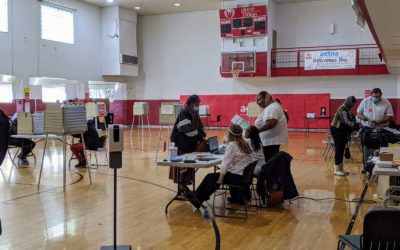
{"x": 235, "y": 73}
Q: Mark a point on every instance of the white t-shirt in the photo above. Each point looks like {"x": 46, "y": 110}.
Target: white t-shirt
{"x": 234, "y": 160}
{"x": 374, "y": 112}
{"x": 278, "y": 135}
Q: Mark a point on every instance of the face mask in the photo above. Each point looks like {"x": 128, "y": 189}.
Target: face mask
{"x": 376, "y": 100}
{"x": 196, "y": 108}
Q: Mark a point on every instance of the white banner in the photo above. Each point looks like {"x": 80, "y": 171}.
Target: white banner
{"x": 330, "y": 59}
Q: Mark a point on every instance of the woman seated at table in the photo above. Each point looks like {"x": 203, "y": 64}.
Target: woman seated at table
{"x": 252, "y": 137}
{"x": 237, "y": 157}
{"x": 91, "y": 137}
{"x": 26, "y": 145}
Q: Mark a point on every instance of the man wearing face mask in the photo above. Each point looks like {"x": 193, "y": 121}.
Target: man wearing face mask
{"x": 375, "y": 111}
{"x": 188, "y": 134}
{"x": 343, "y": 124}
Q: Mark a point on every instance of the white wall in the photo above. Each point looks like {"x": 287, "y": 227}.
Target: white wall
{"x": 23, "y": 53}
{"x": 180, "y": 54}
{"x": 307, "y": 24}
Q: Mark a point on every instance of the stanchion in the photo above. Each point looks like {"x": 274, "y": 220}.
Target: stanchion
{"x": 116, "y": 146}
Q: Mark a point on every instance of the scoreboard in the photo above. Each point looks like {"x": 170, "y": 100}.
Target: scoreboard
{"x": 243, "y": 21}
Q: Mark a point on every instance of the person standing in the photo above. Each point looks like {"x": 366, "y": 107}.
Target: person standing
{"x": 343, "y": 124}
{"x": 188, "y": 135}
{"x": 272, "y": 125}
{"x": 375, "y": 111}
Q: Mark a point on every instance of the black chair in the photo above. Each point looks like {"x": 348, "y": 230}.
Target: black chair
{"x": 380, "y": 231}
{"x": 217, "y": 120}
{"x": 246, "y": 182}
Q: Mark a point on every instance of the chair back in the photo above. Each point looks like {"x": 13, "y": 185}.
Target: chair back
{"x": 101, "y": 142}
{"x": 381, "y": 229}
{"x": 247, "y": 177}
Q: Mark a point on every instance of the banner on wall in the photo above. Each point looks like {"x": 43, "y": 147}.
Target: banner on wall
{"x": 330, "y": 59}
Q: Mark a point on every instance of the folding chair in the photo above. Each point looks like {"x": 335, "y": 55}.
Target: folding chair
{"x": 247, "y": 180}
{"x": 101, "y": 147}
{"x": 329, "y": 148}
{"x": 380, "y": 231}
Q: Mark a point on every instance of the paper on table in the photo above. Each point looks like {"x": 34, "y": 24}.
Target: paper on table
{"x": 239, "y": 121}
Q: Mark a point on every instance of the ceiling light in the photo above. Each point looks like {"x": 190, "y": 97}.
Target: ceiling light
{"x": 177, "y": 4}
{"x": 110, "y": 1}
{"x": 136, "y": 8}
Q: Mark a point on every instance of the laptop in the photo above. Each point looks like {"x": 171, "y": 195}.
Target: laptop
{"x": 213, "y": 143}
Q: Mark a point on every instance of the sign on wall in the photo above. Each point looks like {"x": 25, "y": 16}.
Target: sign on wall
{"x": 330, "y": 59}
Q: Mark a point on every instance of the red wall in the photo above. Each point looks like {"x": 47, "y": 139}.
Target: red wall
{"x": 227, "y": 106}
{"x": 297, "y": 105}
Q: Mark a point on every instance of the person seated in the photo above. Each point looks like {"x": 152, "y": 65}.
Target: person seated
{"x": 91, "y": 137}
{"x": 26, "y": 145}
{"x": 237, "y": 157}
{"x": 252, "y": 137}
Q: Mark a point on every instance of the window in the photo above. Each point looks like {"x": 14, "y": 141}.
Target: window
{"x": 53, "y": 93}
{"x": 57, "y": 23}
{"x": 6, "y": 95}
{"x": 4, "y": 15}
{"x": 102, "y": 91}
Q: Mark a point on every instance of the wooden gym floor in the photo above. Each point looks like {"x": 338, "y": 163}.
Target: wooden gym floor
{"x": 81, "y": 218}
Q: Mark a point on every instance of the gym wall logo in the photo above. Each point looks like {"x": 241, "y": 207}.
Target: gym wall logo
{"x": 229, "y": 13}
{"x": 308, "y": 56}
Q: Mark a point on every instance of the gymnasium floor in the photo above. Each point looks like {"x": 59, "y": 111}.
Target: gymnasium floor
{"x": 81, "y": 218}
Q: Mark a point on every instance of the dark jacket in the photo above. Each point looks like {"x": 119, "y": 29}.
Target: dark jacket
{"x": 344, "y": 120}
{"x": 188, "y": 131}
{"x": 4, "y": 135}
{"x": 91, "y": 137}
{"x": 276, "y": 176}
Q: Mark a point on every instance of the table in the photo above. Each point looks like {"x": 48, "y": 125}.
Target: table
{"x": 307, "y": 119}
{"x": 196, "y": 166}
{"x": 63, "y": 139}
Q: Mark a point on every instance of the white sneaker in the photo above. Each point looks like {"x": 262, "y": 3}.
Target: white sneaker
{"x": 340, "y": 173}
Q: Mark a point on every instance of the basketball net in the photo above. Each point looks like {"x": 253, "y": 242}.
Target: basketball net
{"x": 235, "y": 73}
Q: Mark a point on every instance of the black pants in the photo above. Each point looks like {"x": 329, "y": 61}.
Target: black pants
{"x": 25, "y": 145}
{"x": 208, "y": 187}
{"x": 340, "y": 139}
{"x": 270, "y": 151}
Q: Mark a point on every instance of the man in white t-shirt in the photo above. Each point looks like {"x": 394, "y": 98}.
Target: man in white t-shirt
{"x": 272, "y": 125}
{"x": 375, "y": 111}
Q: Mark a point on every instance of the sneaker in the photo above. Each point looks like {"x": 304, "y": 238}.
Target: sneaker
{"x": 81, "y": 164}
{"x": 23, "y": 162}
{"x": 340, "y": 173}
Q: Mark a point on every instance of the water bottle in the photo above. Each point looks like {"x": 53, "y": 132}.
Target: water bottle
{"x": 173, "y": 151}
